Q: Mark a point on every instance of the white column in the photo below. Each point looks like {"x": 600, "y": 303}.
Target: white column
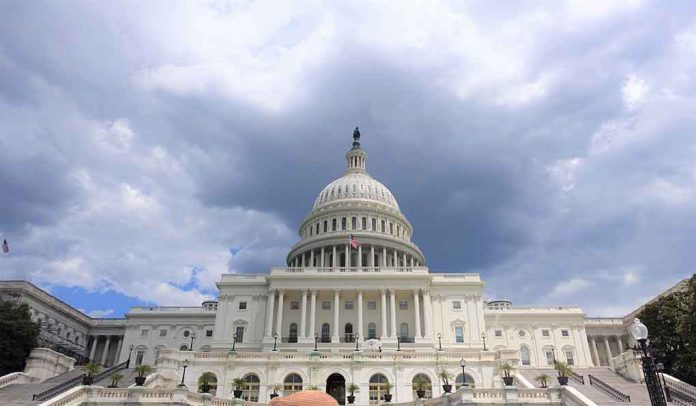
{"x": 392, "y": 299}
{"x": 606, "y": 344}
{"x": 384, "y": 256}
{"x": 595, "y": 353}
{"x": 396, "y": 259}
{"x": 348, "y": 262}
{"x": 360, "y": 264}
{"x": 620, "y": 343}
{"x": 312, "y": 312}
{"x": 372, "y": 256}
{"x": 427, "y": 314}
{"x": 361, "y": 333}
{"x": 416, "y": 308}
{"x": 106, "y": 350}
{"x": 411, "y": 261}
{"x": 304, "y": 259}
{"x": 311, "y": 258}
{"x": 383, "y": 332}
{"x": 95, "y": 341}
{"x": 303, "y": 316}
{"x": 470, "y": 316}
{"x": 279, "y": 316}
{"x": 269, "y": 312}
{"x": 404, "y": 258}
{"x": 118, "y": 350}
{"x": 336, "y": 337}
{"x": 323, "y": 259}
{"x": 334, "y": 260}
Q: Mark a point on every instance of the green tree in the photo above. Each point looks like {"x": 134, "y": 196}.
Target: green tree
{"x": 18, "y": 335}
{"x": 671, "y": 321}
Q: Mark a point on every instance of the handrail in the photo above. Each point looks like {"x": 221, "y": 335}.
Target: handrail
{"x": 577, "y": 377}
{"x": 608, "y": 389}
{"x": 76, "y": 381}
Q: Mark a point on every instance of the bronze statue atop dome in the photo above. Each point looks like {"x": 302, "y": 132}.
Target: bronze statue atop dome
{"x": 356, "y": 134}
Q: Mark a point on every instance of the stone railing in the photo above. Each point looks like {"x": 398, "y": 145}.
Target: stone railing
{"x": 628, "y": 365}
{"x": 572, "y": 397}
{"x": 681, "y": 392}
{"x": 15, "y": 377}
{"x": 351, "y": 270}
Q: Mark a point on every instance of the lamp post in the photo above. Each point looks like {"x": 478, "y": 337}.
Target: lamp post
{"x": 661, "y": 368}
{"x": 183, "y": 375}
{"x": 234, "y": 342}
{"x": 357, "y": 338}
{"x": 193, "y": 336}
{"x": 130, "y": 351}
{"x": 316, "y": 340}
{"x": 439, "y": 341}
{"x": 275, "y": 342}
{"x": 640, "y": 333}
{"x": 398, "y": 342}
{"x": 483, "y": 337}
{"x": 462, "y": 363}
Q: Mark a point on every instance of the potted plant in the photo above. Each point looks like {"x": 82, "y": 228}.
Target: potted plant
{"x": 275, "y": 391}
{"x": 420, "y": 383}
{"x": 543, "y": 379}
{"x": 238, "y": 384}
{"x": 352, "y": 388}
{"x": 507, "y": 371}
{"x": 115, "y": 379}
{"x": 92, "y": 370}
{"x": 387, "y": 396}
{"x": 142, "y": 371}
{"x": 445, "y": 376}
{"x": 563, "y": 370}
{"x": 205, "y": 380}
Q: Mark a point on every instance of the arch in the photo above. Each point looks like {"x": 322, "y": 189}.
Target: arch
{"x": 212, "y": 381}
{"x": 348, "y": 332}
{"x": 325, "y": 333}
{"x": 377, "y": 388}
{"x": 183, "y": 347}
{"x": 427, "y": 383}
{"x": 292, "y": 383}
{"x": 371, "y": 331}
{"x": 403, "y": 333}
{"x": 292, "y": 333}
{"x": 470, "y": 381}
{"x": 336, "y": 387}
{"x": 250, "y": 390}
{"x": 524, "y": 355}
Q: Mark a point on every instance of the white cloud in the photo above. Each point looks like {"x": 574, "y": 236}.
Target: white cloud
{"x": 570, "y": 287}
{"x": 99, "y": 313}
{"x": 634, "y": 91}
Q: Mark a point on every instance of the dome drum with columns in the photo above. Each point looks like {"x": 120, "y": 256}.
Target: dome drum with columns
{"x": 355, "y": 204}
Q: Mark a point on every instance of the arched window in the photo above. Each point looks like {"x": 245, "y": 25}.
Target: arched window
{"x": 391, "y": 228}
{"x": 425, "y": 382}
{"x": 250, "y": 390}
{"x": 291, "y": 384}
{"x": 364, "y": 223}
{"x": 212, "y": 382}
{"x": 460, "y": 379}
{"x": 378, "y": 387}
{"x": 374, "y": 224}
{"x": 311, "y": 231}
{"x": 292, "y": 335}
{"x": 403, "y": 333}
{"x": 524, "y": 355}
{"x": 371, "y": 331}
{"x": 183, "y": 347}
{"x": 343, "y": 223}
{"x": 383, "y": 222}
{"x": 325, "y": 333}
{"x": 326, "y": 225}
{"x": 333, "y": 225}
{"x": 317, "y": 232}
{"x": 348, "y": 331}
{"x": 354, "y": 223}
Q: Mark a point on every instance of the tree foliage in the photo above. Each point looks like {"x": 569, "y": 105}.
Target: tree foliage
{"x": 18, "y": 336}
{"x": 671, "y": 321}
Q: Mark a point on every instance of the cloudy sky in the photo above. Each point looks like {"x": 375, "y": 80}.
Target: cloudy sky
{"x": 148, "y": 147}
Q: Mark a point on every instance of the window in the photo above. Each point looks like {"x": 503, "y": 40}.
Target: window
{"x": 348, "y": 333}
{"x": 294, "y": 305}
{"x": 349, "y": 305}
{"x": 325, "y": 333}
{"x": 163, "y": 333}
{"x": 545, "y": 333}
{"x": 343, "y": 223}
{"x": 498, "y": 333}
{"x": 292, "y": 335}
{"x": 317, "y": 232}
{"x": 371, "y": 305}
{"x": 354, "y": 223}
{"x": 383, "y": 228}
{"x": 212, "y": 381}
{"x": 459, "y": 334}
{"x": 569, "y": 357}
{"x": 428, "y": 387}
{"x": 239, "y": 334}
{"x": 333, "y": 225}
{"x": 311, "y": 231}
{"x": 378, "y": 387}
{"x": 456, "y": 305}
{"x": 403, "y": 333}
{"x": 208, "y": 333}
{"x": 326, "y": 305}
{"x": 564, "y": 333}
{"x": 291, "y": 384}
{"x": 521, "y": 333}
{"x": 549, "y": 356}
{"x": 144, "y": 332}
{"x": 250, "y": 389}
{"x": 391, "y": 228}
{"x": 374, "y": 224}
{"x": 364, "y": 223}
{"x": 183, "y": 347}
{"x": 524, "y": 355}
{"x": 403, "y": 305}
{"x": 371, "y": 331}
{"x": 139, "y": 357}
{"x": 464, "y": 380}
{"x": 242, "y": 305}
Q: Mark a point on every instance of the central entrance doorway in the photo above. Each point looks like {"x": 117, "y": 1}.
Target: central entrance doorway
{"x": 336, "y": 387}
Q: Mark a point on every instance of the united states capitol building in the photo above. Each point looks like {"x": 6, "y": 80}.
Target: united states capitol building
{"x": 355, "y": 302}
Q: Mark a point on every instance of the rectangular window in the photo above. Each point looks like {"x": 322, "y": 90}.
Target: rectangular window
{"x": 354, "y": 224}
{"x": 549, "y": 356}
{"x": 208, "y": 333}
{"x": 349, "y": 305}
{"x": 374, "y": 224}
{"x": 139, "y": 357}
{"x": 403, "y": 305}
{"x": 239, "y": 334}
{"x": 242, "y": 305}
{"x": 545, "y": 333}
{"x": 163, "y": 333}
{"x": 569, "y": 358}
{"x": 371, "y": 305}
{"x": 326, "y": 305}
{"x": 459, "y": 334}
{"x": 498, "y": 333}
{"x": 294, "y": 305}
{"x": 333, "y": 225}
{"x": 564, "y": 333}
{"x": 144, "y": 332}
{"x": 364, "y": 223}
{"x": 326, "y": 224}
{"x": 383, "y": 228}
{"x": 456, "y": 305}
{"x": 343, "y": 223}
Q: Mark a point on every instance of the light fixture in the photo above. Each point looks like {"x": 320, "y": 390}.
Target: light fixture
{"x": 639, "y": 331}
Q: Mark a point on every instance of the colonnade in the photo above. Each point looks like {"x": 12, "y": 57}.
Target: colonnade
{"x": 344, "y": 255}
{"x": 102, "y": 357}
{"x": 605, "y": 348}
{"x": 309, "y": 329}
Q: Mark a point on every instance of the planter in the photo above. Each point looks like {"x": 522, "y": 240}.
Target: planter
{"x": 237, "y": 393}
{"x": 113, "y": 386}
{"x": 563, "y": 380}
{"x": 351, "y": 399}
{"x": 420, "y": 393}
{"x": 87, "y": 380}
{"x": 273, "y": 395}
{"x": 544, "y": 385}
{"x": 205, "y": 388}
{"x": 447, "y": 388}
{"x": 508, "y": 380}
{"x": 387, "y": 397}
{"x": 139, "y": 380}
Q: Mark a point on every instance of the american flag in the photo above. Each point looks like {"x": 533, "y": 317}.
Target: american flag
{"x": 354, "y": 241}
{"x": 5, "y": 247}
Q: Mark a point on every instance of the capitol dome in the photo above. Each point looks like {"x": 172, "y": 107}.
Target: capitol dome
{"x": 355, "y": 206}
